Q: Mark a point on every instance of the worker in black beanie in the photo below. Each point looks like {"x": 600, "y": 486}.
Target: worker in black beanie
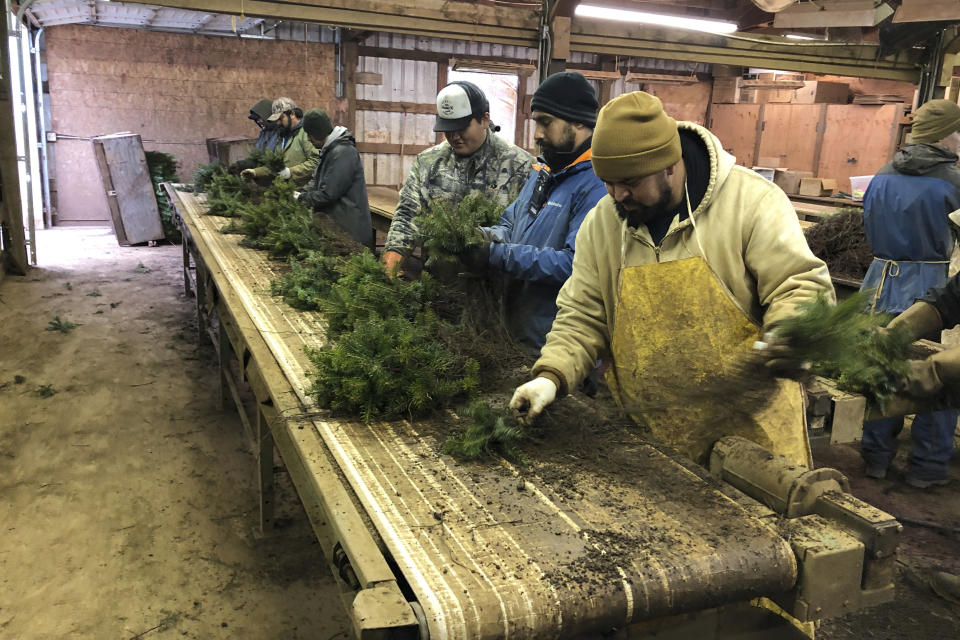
{"x": 534, "y": 241}
{"x": 338, "y": 192}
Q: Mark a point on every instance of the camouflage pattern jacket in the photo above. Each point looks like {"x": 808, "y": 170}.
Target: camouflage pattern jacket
{"x": 497, "y": 169}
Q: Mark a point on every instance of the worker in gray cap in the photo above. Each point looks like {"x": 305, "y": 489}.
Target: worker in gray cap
{"x": 299, "y": 156}
{"x": 339, "y": 190}
{"x": 472, "y": 158}
{"x": 269, "y": 134}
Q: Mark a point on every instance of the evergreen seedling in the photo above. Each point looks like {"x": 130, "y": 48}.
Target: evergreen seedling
{"x": 63, "y": 326}
{"x": 843, "y": 343}
{"x": 308, "y": 281}
{"x": 489, "y": 432}
{"x": 450, "y": 229}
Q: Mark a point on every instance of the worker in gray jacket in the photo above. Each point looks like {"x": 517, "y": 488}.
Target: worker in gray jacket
{"x": 472, "y": 158}
{"x": 338, "y": 190}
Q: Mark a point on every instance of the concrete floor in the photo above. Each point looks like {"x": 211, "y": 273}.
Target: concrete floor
{"x": 127, "y": 497}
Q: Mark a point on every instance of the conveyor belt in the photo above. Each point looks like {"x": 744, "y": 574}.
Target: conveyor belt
{"x": 493, "y": 550}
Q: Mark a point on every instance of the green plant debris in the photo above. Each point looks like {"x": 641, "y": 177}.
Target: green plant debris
{"x": 843, "y": 343}
{"x": 450, "y": 229}
{"x": 95, "y": 293}
{"x": 68, "y": 286}
{"x": 163, "y": 168}
{"x": 46, "y": 391}
{"x": 98, "y": 312}
{"x": 18, "y": 379}
{"x": 489, "y": 432}
{"x": 142, "y": 269}
{"x": 63, "y": 326}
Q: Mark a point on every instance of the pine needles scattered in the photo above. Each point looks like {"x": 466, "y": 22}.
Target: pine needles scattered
{"x": 843, "y": 343}
{"x": 489, "y": 432}
{"x": 62, "y": 326}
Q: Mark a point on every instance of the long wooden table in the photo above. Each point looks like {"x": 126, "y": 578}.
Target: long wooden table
{"x": 419, "y": 541}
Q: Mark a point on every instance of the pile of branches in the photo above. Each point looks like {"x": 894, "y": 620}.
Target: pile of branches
{"x": 841, "y": 242}
{"x": 225, "y": 190}
{"x": 163, "y": 168}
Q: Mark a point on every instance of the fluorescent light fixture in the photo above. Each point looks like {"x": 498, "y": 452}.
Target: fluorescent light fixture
{"x": 658, "y": 19}
{"x": 796, "y": 36}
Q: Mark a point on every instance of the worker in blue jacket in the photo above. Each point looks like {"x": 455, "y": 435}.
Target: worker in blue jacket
{"x": 905, "y": 213}
{"x": 534, "y": 241}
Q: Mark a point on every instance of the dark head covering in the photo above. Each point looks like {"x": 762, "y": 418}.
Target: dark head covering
{"x": 569, "y": 96}
{"x": 261, "y": 109}
{"x": 316, "y": 123}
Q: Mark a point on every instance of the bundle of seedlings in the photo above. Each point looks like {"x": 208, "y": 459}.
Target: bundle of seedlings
{"x": 449, "y": 230}
{"x": 276, "y": 223}
{"x": 163, "y": 168}
{"x": 204, "y": 174}
{"x": 841, "y": 242}
{"x": 309, "y": 279}
{"x": 225, "y": 193}
{"x": 846, "y": 344}
{"x": 273, "y": 160}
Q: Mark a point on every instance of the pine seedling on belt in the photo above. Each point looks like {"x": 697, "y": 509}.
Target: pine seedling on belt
{"x": 450, "y": 229}
{"x": 276, "y": 212}
{"x": 390, "y": 367}
{"x": 843, "y": 343}
{"x": 273, "y": 160}
{"x": 225, "y": 194}
{"x": 308, "y": 281}
{"x": 488, "y": 432}
{"x": 204, "y": 175}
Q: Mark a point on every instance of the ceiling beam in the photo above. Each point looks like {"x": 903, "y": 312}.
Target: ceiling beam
{"x": 495, "y": 24}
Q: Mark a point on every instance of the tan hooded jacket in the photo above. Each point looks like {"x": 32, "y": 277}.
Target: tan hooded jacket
{"x": 749, "y": 232}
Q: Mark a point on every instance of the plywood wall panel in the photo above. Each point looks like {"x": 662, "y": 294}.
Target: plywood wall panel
{"x": 790, "y": 134}
{"x": 736, "y": 127}
{"x": 175, "y": 90}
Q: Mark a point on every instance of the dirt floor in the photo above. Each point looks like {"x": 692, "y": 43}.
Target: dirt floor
{"x": 128, "y": 498}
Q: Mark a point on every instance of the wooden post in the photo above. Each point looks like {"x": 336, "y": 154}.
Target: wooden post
{"x": 442, "y": 70}
{"x": 265, "y": 479}
{"x": 14, "y": 257}
{"x": 818, "y": 144}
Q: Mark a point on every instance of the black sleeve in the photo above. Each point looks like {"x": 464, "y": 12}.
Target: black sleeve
{"x": 947, "y": 301}
{"x": 334, "y": 178}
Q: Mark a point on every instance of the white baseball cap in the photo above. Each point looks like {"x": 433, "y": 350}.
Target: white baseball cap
{"x": 457, "y": 103}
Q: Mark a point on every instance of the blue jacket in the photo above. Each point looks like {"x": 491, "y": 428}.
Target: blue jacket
{"x": 905, "y": 213}
{"x": 535, "y": 248}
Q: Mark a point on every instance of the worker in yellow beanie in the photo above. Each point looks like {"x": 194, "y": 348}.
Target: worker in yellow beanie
{"x": 907, "y": 211}
{"x": 677, "y": 271}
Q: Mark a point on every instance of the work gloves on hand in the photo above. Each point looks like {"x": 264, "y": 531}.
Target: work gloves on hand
{"x": 477, "y": 257}
{"x": 928, "y": 377}
{"x": 780, "y": 358}
{"x": 921, "y": 320}
{"x": 533, "y": 397}
{"x": 263, "y": 172}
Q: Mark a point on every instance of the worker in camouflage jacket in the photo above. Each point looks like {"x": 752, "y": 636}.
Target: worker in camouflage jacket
{"x": 299, "y": 156}
{"x": 339, "y": 190}
{"x": 472, "y": 158}
{"x": 269, "y": 132}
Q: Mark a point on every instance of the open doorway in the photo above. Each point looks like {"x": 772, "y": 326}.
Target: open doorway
{"x": 501, "y": 91}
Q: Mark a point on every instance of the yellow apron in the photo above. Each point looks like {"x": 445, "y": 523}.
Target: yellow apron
{"x": 676, "y": 325}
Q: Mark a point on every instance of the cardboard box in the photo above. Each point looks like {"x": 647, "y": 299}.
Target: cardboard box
{"x": 769, "y": 161}
{"x": 766, "y": 172}
{"x": 817, "y": 186}
{"x": 819, "y": 91}
{"x": 725, "y": 91}
{"x": 789, "y": 180}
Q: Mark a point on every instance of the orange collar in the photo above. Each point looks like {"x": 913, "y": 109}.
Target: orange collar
{"x": 583, "y": 156}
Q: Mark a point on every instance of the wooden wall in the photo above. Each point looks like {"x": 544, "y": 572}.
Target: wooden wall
{"x": 831, "y": 140}
{"x": 175, "y": 90}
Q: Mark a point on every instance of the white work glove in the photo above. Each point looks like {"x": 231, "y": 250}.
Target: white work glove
{"x": 285, "y": 174}
{"x": 533, "y": 397}
{"x": 248, "y": 174}
{"x": 296, "y": 195}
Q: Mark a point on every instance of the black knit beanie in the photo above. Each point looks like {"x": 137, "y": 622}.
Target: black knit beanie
{"x": 316, "y": 122}
{"x": 569, "y": 96}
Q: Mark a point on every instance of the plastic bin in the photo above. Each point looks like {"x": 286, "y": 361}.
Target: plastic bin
{"x": 858, "y": 186}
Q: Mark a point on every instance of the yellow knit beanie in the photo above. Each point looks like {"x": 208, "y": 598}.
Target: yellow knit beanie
{"x": 633, "y": 138}
{"x": 935, "y": 120}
